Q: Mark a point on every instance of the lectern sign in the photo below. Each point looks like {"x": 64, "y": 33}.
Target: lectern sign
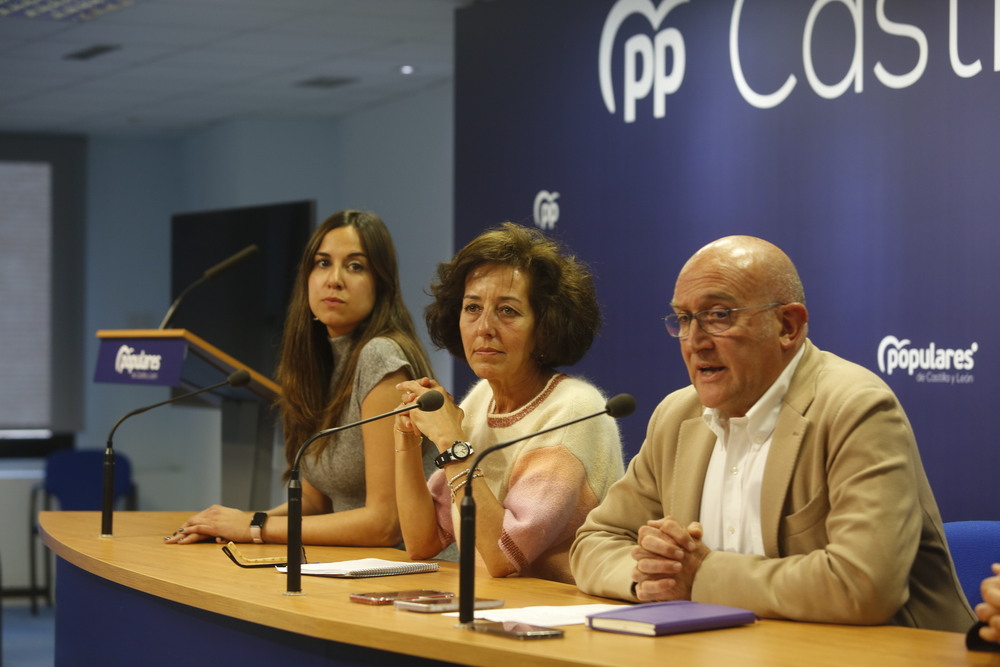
{"x": 141, "y": 361}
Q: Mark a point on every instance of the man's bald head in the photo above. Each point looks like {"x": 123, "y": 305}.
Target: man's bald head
{"x": 760, "y": 262}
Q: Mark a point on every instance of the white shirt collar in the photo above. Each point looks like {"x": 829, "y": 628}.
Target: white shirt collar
{"x": 763, "y": 415}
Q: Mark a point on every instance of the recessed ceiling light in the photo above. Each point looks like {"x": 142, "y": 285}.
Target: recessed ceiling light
{"x": 407, "y": 69}
{"x": 60, "y": 10}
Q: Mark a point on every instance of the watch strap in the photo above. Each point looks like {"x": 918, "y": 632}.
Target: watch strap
{"x": 256, "y": 524}
{"x": 443, "y": 459}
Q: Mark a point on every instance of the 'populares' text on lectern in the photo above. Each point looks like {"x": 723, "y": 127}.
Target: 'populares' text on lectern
{"x": 179, "y": 358}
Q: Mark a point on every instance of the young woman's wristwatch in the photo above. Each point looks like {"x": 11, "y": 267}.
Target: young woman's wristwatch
{"x": 256, "y": 523}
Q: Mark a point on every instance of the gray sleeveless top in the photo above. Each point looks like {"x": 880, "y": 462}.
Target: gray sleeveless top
{"x": 338, "y": 471}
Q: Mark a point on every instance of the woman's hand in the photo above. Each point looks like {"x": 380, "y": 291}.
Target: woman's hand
{"x": 223, "y": 523}
{"x": 442, "y": 426}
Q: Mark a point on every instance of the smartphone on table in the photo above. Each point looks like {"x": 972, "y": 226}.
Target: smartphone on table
{"x": 516, "y": 630}
{"x": 439, "y": 606}
{"x": 388, "y": 597}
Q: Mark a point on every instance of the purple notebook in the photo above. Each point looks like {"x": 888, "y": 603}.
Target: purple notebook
{"x": 667, "y": 618}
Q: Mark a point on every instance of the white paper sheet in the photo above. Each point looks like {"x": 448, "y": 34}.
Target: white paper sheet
{"x": 549, "y": 616}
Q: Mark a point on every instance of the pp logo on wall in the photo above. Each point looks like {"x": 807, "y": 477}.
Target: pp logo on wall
{"x": 546, "y": 209}
{"x": 645, "y": 58}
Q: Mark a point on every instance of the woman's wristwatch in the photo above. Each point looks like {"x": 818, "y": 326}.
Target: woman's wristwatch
{"x": 256, "y": 523}
{"x": 459, "y": 451}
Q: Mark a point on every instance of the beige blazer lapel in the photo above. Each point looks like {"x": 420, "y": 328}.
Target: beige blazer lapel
{"x": 781, "y": 458}
{"x": 786, "y": 443}
{"x": 695, "y": 442}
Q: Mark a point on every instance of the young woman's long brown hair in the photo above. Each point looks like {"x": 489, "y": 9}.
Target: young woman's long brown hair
{"x": 308, "y": 403}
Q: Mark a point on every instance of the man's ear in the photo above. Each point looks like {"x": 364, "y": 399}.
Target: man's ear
{"x": 794, "y": 318}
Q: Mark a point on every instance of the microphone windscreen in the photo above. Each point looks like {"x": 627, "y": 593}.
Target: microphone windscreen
{"x": 239, "y": 379}
{"x": 621, "y": 405}
{"x": 430, "y": 401}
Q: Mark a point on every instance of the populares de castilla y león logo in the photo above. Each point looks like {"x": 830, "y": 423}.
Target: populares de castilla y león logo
{"x": 136, "y": 363}
{"x": 930, "y": 364}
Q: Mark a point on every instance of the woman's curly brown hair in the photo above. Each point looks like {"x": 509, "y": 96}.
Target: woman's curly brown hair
{"x": 561, "y": 292}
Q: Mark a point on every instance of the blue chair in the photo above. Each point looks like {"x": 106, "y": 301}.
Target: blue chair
{"x": 74, "y": 478}
{"x": 974, "y": 546}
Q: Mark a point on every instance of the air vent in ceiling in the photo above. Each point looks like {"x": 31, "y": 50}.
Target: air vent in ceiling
{"x": 326, "y": 82}
{"x": 91, "y": 52}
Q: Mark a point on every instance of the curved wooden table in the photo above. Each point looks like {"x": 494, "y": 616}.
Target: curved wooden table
{"x": 130, "y": 599}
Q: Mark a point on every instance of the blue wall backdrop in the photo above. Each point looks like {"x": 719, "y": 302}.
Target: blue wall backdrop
{"x": 861, "y": 137}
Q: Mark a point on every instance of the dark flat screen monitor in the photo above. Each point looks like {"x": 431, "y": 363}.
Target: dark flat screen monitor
{"x": 242, "y": 310}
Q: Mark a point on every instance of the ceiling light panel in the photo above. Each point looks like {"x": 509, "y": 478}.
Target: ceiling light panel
{"x": 60, "y": 10}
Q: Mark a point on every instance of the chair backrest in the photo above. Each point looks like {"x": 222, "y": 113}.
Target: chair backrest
{"x": 75, "y": 478}
{"x": 974, "y": 546}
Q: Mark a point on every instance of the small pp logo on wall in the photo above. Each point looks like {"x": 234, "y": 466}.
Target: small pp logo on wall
{"x": 546, "y": 209}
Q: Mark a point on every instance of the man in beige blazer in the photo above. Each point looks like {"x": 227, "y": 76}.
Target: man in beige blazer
{"x": 784, "y": 480}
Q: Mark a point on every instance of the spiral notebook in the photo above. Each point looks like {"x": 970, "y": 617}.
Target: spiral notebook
{"x": 364, "y": 567}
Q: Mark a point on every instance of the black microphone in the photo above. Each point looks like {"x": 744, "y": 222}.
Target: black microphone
{"x": 427, "y": 402}
{"x": 237, "y": 379}
{"x": 210, "y": 274}
{"x": 621, "y": 405}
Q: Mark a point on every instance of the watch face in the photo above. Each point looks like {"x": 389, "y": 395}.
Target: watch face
{"x": 461, "y": 450}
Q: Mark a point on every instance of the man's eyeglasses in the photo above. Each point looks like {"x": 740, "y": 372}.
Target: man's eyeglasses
{"x": 711, "y": 320}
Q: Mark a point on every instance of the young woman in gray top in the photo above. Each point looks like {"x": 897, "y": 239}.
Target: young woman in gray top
{"x": 348, "y": 341}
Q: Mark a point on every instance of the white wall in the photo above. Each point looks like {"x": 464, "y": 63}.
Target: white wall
{"x": 395, "y": 160}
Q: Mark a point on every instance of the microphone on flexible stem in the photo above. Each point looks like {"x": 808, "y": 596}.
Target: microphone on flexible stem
{"x": 621, "y": 405}
{"x": 237, "y": 379}
{"x": 427, "y": 402}
{"x": 210, "y": 274}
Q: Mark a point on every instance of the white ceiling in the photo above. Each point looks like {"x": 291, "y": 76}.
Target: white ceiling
{"x": 184, "y": 64}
